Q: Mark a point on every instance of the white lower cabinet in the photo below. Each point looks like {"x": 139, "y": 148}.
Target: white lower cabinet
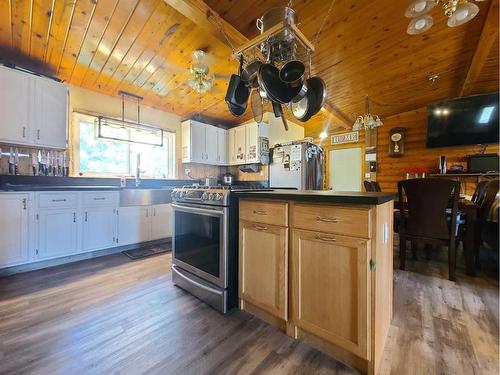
{"x": 134, "y": 225}
{"x": 57, "y": 232}
{"x": 161, "y": 221}
{"x": 99, "y": 228}
{"x": 14, "y": 229}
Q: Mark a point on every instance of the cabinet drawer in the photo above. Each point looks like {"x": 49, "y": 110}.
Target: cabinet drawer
{"x": 332, "y": 219}
{"x": 267, "y": 212}
{"x": 57, "y": 200}
{"x": 100, "y": 198}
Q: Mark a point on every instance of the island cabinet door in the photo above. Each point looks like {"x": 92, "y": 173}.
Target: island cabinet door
{"x": 330, "y": 284}
{"x": 264, "y": 267}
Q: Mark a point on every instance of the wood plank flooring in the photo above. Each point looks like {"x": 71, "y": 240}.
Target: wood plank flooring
{"x": 111, "y": 315}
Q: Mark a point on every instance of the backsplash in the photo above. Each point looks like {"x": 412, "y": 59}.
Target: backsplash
{"x": 199, "y": 171}
{"x": 25, "y": 159}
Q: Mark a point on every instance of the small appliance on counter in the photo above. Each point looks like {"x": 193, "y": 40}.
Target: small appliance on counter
{"x": 228, "y": 179}
{"x": 298, "y": 165}
{"x": 482, "y": 163}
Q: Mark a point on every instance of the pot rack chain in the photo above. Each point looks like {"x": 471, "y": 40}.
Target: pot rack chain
{"x": 323, "y": 23}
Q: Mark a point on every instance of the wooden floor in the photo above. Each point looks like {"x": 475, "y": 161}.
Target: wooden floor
{"x": 113, "y": 315}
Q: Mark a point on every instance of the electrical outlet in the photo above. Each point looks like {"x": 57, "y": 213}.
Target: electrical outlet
{"x": 187, "y": 171}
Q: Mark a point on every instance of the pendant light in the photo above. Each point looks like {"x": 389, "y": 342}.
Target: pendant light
{"x": 457, "y": 11}
{"x": 464, "y": 13}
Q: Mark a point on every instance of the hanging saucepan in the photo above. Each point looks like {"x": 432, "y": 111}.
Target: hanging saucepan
{"x": 318, "y": 87}
{"x": 312, "y": 102}
{"x": 237, "y": 92}
{"x": 292, "y": 73}
{"x": 275, "y": 88}
{"x": 251, "y": 72}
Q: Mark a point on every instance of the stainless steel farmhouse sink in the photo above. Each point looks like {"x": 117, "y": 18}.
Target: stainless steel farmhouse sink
{"x": 144, "y": 197}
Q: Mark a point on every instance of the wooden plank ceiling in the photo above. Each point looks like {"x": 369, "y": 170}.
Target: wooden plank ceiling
{"x": 145, "y": 46}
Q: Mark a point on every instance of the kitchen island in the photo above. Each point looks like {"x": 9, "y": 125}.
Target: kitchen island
{"x": 318, "y": 265}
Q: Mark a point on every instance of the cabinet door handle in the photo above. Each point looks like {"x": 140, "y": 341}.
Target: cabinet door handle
{"x": 147, "y": 212}
{"x": 154, "y": 211}
{"x": 58, "y": 200}
{"x": 260, "y": 227}
{"x": 24, "y": 203}
{"x": 327, "y": 219}
{"x": 100, "y": 199}
{"x": 74, "y": 217}
{"x": 38, "y": 134}
{"x": 86, "y": 216}
{"x": 24, "y": 131}
{"x": 260, "y": 212}
{"x": 326, "y": 239}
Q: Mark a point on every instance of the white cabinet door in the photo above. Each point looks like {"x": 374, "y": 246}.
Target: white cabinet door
{"x": 161, "y": 221}
{"x": 99, "y": 228}
{"x": 240, "y": 144}
{"x": 13, "y": 229}
{"x": 134, "y": 225}
{"x": 222, "y": 147}
{"x": 252, "y": 143}
{"x": 198, "y": 152}
{"x": 211, "y": 149}
{"x": 231, "y": 143}
{"x": 15, "y": 106}
{"x": 51, "y": 109}
{"x": 57, "y": 232}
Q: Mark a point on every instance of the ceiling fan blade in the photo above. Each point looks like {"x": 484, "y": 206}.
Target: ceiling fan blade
{"x": 222, "y": 76}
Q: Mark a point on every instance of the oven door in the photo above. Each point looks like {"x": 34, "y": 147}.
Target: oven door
{"x": 200, "y": 241}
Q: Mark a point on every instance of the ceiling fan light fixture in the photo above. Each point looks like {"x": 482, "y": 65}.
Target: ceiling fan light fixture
{"x": 419, "y": 8}
{"x": 464, "y": 13}
{"x": 420, "y": 25}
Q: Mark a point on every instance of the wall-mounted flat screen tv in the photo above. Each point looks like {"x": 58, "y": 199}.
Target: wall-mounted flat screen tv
{"x": 463, "y": 121}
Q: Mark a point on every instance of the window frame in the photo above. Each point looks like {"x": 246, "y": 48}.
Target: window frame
{"x": 169, "y": 138}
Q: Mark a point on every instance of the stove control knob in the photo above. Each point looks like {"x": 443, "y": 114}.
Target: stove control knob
{"x": 204, "y": 196}
{"x": 218, "y": 196}
{"x": 211, "y": 196}
{"x": 180, "y": 194}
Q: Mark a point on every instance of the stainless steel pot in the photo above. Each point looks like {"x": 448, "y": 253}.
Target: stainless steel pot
{"x": 274, "y": 16}
{"x": 210, "y": 181}
{"x": 228, "y": 179}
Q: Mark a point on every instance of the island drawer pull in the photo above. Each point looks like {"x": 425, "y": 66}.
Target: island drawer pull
{"x": 327, "y": 219}
{"x": 58, "y": 200}
{"x": 259, "y": 212}
{"x": 327, "y": 239}
{"x": 100, "y": 198}
{"x": 260, "y": 227}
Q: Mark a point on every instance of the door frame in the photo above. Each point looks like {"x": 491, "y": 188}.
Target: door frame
{"x": 327, "y": 150}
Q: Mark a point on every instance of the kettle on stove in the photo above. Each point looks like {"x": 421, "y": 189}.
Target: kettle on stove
{"x": 228, "y": 179}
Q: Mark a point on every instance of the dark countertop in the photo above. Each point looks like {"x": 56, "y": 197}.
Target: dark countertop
{"x": 323, "y": 196}
{"x": 52, "y": 183}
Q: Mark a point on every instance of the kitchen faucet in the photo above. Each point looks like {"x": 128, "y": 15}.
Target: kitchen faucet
{"x": 138, "y": 171}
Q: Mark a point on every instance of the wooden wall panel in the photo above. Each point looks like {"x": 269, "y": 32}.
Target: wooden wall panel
{"x": 392, "y": 169}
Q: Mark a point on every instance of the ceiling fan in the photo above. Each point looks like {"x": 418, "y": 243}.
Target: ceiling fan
{"x": 201, "y": 80}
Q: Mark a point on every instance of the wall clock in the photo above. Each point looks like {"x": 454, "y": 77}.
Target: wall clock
{"x": 396, "y": 141}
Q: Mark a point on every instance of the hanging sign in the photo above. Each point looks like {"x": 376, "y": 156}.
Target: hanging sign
{"x": 351, "y": 137}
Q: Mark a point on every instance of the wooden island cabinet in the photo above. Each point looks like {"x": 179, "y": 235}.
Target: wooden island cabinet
{"x": 320, "y": 271}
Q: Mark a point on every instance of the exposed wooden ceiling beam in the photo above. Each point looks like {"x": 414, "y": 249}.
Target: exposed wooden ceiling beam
{"x": 488, "y": 37}
{"x": 208, "y": 19}
{"x": 338, "y": 116}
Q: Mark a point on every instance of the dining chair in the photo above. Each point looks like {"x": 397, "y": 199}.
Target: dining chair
{"x": 423, "y": 217}
{"x": 371, "y": 186}
{"x": 478, "y": 192}
{"x": 485, "y": 200}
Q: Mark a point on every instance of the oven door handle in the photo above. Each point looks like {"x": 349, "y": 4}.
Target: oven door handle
{"x": 197, "y": 210}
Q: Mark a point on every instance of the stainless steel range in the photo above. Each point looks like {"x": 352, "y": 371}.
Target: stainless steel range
{"x": 204, "y": 244}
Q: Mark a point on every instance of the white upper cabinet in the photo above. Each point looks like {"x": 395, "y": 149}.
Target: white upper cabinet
{"x": 222, "y": 146}
{"x": 15, "y": 106}
{"x": 240, "y": 144}
{"x": 34, "y": 110}
{"x": 211, "y": 145}
{"x": 51, "y": 109}
{"x": 203, "y": 143}
{"x": 231, "y": 153}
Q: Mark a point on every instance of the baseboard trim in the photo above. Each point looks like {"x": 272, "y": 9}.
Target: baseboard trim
{"x": 37, "y": 265}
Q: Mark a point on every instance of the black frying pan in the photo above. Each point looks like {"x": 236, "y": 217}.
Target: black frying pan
{"x": 237, "y": 92}
{"x": 276, "y": 89}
